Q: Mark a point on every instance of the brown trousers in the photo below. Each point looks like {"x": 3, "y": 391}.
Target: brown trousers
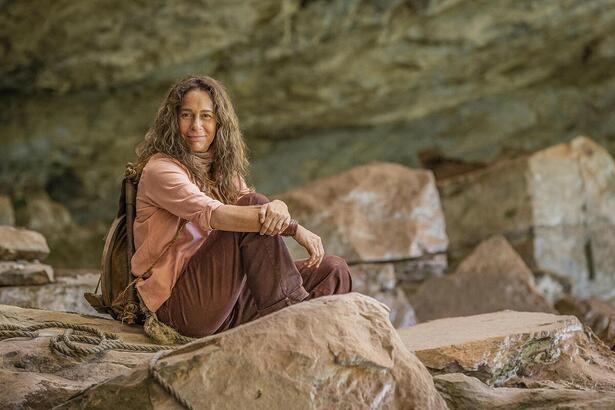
{"x": 236, "y": 277}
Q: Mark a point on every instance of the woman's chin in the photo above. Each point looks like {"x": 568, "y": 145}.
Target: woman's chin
{"x": 199, "y": 149}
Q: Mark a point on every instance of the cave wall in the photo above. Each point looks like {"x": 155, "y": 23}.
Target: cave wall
{"x": 319, "y": 86}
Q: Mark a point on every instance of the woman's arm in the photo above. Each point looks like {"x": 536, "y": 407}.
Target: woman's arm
{"x": 236, "y": 218}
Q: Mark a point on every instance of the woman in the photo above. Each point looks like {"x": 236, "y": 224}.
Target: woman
{"x": 209, "y": 247}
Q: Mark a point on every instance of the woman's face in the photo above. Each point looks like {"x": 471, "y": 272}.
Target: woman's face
{"x": 197, "y": 122}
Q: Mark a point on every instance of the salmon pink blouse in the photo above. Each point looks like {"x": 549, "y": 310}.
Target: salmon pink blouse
{"x": 166, "y": 196}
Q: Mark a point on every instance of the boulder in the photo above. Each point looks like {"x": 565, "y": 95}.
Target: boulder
{"x": 595, "y": 313}
{"x": 515, "y": 349}
{"x": 32, "y": 376}
{"x": 330, "y": 352}
{"x": 492, "y": 278}
{"x": 555, "y": 206}
{"x": 22, "y": 273}
{"x": 65, "y": 294}
{"x": 375, "y": 212}
{"x": 7, "y": 215}
{"x": 21, "y": 244}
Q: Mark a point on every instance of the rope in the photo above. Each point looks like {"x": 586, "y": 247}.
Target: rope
{"x": 99, "y": 342}
{"x": 153, "y": 371}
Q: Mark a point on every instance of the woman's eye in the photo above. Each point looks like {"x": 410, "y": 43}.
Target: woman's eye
{"x": 185, "y": 115}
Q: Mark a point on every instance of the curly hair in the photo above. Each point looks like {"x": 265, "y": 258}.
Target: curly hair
{"x": 228, "y": 148}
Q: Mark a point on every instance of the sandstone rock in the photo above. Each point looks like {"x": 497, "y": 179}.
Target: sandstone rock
{"x": 463, "y": 392}
{"x": 331, "y": 352}
{"x": 515, "y": 349}
{"x": 24, "y": 273}
{"x": 21, "y": 244}
{"x": 7, "y": 215}
{"x": 552, "y": 205}
{"x": 65, "y": 294}
{"x": 492, "y": 278}
{"x": 376, "y": 212}
{"x": 597, "y": 314}
{"x": 34, "y": 377}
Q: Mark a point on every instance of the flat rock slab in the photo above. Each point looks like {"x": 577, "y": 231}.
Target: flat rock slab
{"x": 34, "y": 377}
{"x": 20, "y": 273}
{"x": 331, "y": 352}
{"x": 533, "y": 349}
{"x": 374, "y": 212}
{"x": 65, "y": 294}
{"x": 493, "y": 278}
{"x": 18, "y": 243}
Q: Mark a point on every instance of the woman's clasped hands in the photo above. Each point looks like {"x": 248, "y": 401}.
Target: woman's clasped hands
{"x": 274, "y": 217}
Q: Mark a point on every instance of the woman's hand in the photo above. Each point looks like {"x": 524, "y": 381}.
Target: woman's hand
{"x": 274, "y": 217}
{"x": 312, "y": 243}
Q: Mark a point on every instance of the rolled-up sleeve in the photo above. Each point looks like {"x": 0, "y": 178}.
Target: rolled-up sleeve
{"x": 167, "y": 185}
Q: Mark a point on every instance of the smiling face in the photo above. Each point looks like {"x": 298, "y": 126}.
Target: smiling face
{"x": 197, "y": 122}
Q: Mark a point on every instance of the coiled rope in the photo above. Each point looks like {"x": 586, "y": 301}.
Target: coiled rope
{"x": 96, "y": 342}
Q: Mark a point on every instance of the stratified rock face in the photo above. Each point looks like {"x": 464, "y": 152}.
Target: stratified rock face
{"x": 492, "y": 278}
{"x": 34, "y": 377}
{"x": 515, "y": 349}
{"x": 555, "y": 206}
{"x": 320, "y": 86}
{"x": 331, "y": 352}
{"x": 21, "y": 244}
{"x": 65, "y": 294}
{"x": 7, "y": 215}
{"x": 24, "y": 273}
{"x": 374, "y": 212}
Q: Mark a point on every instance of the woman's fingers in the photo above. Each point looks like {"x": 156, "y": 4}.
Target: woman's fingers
{"x": 262, "y": 213}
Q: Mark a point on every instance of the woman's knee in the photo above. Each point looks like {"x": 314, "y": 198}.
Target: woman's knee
{"x": 340, "y": 270}
{"x": 253, "y": 198}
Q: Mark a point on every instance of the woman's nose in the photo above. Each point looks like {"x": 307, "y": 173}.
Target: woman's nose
{"x": 197, "y": 123}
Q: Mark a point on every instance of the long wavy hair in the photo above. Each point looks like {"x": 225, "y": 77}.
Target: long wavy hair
{"x": 228, "y": 148}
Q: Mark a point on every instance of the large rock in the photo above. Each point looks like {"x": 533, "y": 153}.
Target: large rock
{"x": 515, "y": 349}
{"x": 555, "y": 206}
{"x": 331, "y": 352}
{"x": 21, "y": 244}
{"x": 492, "y": 278}
{"x": 24, "y": 273}
{"x": 65, "y": 294}
{"x": 376, "y": 212}
{"x": 34, "y": 377}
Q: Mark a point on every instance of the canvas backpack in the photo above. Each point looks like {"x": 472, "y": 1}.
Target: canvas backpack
{"x": 118, "y": 296}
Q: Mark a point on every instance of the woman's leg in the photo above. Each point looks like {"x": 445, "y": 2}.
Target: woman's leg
{"x": 228, "y": 263}
{"x": 332, "y": 277}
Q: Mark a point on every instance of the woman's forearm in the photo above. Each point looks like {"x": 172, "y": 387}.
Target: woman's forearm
{"x": 236, "y": 218}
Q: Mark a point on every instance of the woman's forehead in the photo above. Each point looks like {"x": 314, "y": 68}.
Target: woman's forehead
{"x": 197, "y": 99}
